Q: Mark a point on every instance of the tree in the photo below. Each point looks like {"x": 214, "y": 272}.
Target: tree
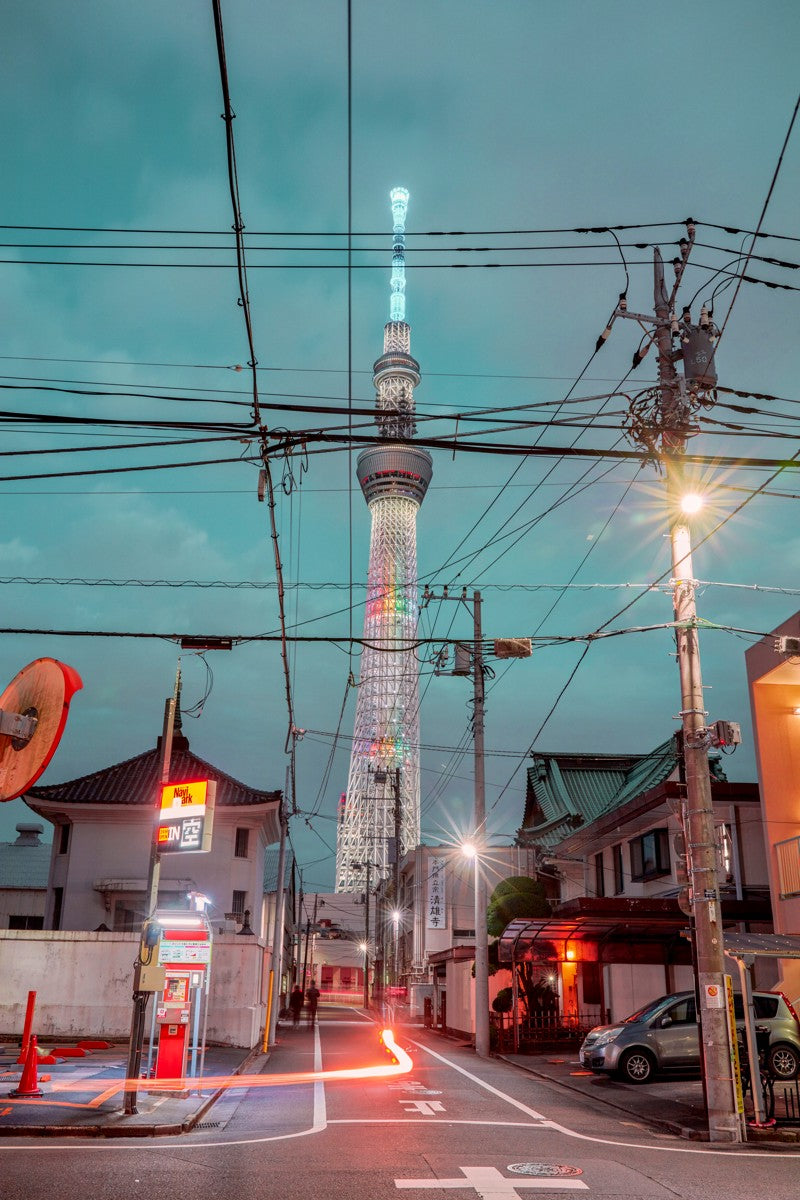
{"x": 518, "y": 896}
{"x": 521, "y": 896}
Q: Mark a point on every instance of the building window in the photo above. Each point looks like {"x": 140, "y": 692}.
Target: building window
{"x": 238, "y": 903}
{"x": 58, "y": 904}
{"x": 63, "y": 838}
{"x": 16, "y": 921}
{"x": 599, "y": 877}
{"x": 242, "y": 840}
{"x": 619, "y": 870}
{"x": 650, "y": 855}
{"x": 788, "y": 854}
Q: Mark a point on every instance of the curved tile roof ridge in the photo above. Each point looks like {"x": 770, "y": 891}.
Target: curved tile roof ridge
{"x": 133, "y": 780}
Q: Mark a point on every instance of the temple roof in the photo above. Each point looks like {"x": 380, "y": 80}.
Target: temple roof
{"x": 134, "y": 782}
{"x": 566, "y": 791}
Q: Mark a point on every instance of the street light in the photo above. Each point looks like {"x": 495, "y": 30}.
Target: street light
{"x": 691, "y": 503}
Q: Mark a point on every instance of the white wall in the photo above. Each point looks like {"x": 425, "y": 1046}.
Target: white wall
{"x": 84, "y": 984}
{"x": 113, "y": 843}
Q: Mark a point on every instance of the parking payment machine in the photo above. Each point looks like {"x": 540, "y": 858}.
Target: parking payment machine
{"x": 185, "y": 954}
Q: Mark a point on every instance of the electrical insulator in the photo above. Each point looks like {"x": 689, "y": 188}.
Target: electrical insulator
{"x": 674, "y": 326}
{"x": 687, "y": 314}
{"x": 639, "y": 355}
{"x": 601, "y": 341}
{"x": 684, "y": 247}
{"x": 623, "y": 302}
{"x": 690, "y": 226}
{"x": 704, "y": 322}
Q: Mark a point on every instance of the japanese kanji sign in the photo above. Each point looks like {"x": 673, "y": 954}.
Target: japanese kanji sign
{"x": 437, "y": 915}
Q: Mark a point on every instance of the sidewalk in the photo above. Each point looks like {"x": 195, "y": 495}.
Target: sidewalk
{"x": 83, "y": 1097}
{"x": 674, "y": 1105}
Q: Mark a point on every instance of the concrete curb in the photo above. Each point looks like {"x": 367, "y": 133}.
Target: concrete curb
{"x": 767, "y": 1138}
{"x": 661, "y": 1124}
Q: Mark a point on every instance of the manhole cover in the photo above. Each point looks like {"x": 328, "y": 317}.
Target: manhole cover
{"x": 544, "y": 1170}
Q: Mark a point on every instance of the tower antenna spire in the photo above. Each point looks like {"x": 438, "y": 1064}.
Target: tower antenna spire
{"x": 397, "y": 306}
{"x": 381, "y": 805}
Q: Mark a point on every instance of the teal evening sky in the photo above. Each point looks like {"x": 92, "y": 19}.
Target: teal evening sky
{"x": 505, "y": 121}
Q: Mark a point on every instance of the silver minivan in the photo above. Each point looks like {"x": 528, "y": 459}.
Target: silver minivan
{"x": 664, "y": 1036}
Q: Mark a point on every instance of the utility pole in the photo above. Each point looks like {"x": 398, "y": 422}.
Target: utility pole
{"x": 661, "y": 420}
{"x": 464, "y": 658}
{"x": 398, "y": 813}
{"x": 276, "y": 963}
{"x": 141, "y": 998}
{"x": 723, "y": 1122}
{"x": 481, "y": 932}
{"x": 366, "y": 937}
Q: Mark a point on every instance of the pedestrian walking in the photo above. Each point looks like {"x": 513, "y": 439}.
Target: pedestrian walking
{"x": 296, "y": 1004}
{"x": 312, "y": 996}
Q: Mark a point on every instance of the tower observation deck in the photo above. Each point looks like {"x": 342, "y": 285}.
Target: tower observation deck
{"x": 394, "y": 477}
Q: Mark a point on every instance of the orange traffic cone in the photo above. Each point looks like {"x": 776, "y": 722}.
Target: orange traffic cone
{"x": 29, "y": 1084}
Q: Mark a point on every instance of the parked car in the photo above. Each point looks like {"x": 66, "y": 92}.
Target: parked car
{"x": 664, "y": 1036}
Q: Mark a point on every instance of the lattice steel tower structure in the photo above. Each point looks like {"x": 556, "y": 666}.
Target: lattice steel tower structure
{"x": 394, "y": 477}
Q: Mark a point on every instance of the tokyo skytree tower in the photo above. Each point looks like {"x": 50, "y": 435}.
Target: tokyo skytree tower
{"x": 394, "y": 477}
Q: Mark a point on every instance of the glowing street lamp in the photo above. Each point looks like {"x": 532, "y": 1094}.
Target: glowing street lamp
{"x": 691, "y": 503}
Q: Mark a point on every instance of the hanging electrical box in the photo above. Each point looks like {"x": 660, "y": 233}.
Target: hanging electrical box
{"x": 463, "y": 660}
{"x": 697, "y": 350}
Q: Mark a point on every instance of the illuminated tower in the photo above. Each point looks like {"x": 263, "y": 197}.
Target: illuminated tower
{"x": 394, "y": 477}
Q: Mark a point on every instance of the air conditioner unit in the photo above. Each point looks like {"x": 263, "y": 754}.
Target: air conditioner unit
{"x": 787, "y": 645}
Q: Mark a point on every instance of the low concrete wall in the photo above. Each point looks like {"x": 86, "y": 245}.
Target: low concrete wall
{"x": 84, "y": 985}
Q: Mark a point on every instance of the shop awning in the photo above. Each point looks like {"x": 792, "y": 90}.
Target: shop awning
{"x": 614, "y": 929}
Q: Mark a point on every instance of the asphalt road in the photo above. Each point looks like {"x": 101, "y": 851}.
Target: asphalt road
{"x": 451, "y": 1126}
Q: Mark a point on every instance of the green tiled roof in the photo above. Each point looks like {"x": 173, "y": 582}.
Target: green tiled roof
{"x": 569, "y": 790}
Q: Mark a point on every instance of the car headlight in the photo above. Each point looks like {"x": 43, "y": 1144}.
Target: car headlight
{"x": 608, "y": 1035}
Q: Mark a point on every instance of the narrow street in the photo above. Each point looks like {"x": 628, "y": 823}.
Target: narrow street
{"x": 453, "y": 1124}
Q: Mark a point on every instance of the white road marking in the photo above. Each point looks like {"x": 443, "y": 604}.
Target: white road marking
{"x": 427, "y": 1107}
{"x": 530, "y": 1112}
{"x": 412, "y": 1086}
{"x": 491, "y": 1185}
{"x": 320, "y": 1108}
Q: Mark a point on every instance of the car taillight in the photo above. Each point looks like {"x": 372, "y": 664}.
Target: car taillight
{"x": 789, "y": 1005}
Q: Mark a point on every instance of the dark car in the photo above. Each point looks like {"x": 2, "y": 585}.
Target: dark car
{"x": 664, "y": 1036}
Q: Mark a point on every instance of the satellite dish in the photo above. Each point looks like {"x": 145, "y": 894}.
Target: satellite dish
{"x": 33, "y": 713}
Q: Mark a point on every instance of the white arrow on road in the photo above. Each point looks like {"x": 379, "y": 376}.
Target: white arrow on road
{"x": 491, "y": 1185}
{"x": 426, "y": 1107}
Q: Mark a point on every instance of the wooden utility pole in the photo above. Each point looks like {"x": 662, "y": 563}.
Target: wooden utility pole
{"x": 723, "y": 1120}
{"x": 479, "y": 818}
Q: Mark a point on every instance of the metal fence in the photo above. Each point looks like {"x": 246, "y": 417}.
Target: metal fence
{"x": 545, "y": 1031}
